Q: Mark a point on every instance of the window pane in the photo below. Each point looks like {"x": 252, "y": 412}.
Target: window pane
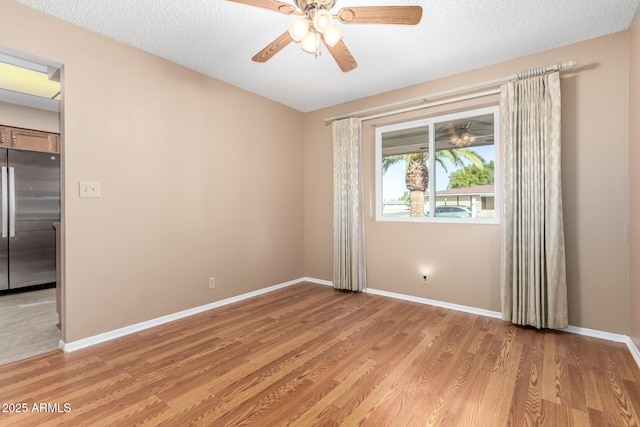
{"x": 465, "y": 177}
{"x": 439, "y": 169}
{"x": 405, "y": 177}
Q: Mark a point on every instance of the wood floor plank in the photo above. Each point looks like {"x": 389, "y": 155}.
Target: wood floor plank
{"x": 527, "y": 386}
{"x": 592, "y": 396}
{"x": 549, "y": 369}
{"x": 574, "y": 388}
{"x": 470, "y": 403}
{"x": 308, "y": 355}
{"x": 633, "y": 394}
{"x": 499, "y": 392}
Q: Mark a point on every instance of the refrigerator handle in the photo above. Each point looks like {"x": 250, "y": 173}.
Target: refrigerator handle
{"x": 5, "y": 204}
{"x": 12, "y": 202}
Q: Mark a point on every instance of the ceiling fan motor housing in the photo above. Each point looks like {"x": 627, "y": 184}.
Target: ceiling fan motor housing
{"x": 307, "y": 5}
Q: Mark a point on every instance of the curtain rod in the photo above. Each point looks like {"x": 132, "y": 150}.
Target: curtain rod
{"x": 425, "y": 101}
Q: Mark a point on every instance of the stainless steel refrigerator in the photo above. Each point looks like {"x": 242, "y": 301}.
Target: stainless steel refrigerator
{"x": 30, "y": 197}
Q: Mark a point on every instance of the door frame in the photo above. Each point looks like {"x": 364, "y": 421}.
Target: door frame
{"x": 55, "y": 69}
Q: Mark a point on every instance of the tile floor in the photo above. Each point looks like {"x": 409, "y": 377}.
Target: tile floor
{"x": 28, "y": 324}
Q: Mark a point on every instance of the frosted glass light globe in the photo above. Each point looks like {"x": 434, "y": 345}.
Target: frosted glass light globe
{"x": 298, "y": 28}
{"x": 322, "y": 21}
{"x": 332, "y": 36}
{"x": 310, "y": 42}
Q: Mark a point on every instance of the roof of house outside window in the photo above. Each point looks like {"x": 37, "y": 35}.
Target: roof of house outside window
{"x": 483, "y": 190}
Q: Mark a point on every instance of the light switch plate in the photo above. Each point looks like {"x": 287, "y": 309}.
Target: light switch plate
{"x": 89, "y": 189}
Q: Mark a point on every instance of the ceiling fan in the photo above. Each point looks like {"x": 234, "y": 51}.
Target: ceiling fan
{"x": 462, "y": 133}
{"x": 314, "y": 26}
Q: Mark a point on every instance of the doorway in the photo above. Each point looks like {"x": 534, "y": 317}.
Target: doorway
{"x": 31, "y": 294}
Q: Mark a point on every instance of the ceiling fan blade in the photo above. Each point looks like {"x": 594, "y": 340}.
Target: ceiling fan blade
{"x": 272, "y": 48}
{"x": 274, "y": 5}
{"x": 343, "y": 57}
{"x": 402, "y": 15}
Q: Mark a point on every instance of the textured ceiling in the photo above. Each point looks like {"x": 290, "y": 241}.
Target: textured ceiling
{"x": 218, "y": 38}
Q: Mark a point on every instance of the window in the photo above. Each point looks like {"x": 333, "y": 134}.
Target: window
{"x": 457, "y": 184}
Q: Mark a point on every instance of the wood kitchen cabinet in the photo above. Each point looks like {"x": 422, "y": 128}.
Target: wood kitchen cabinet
{"x": 34, "y": 140}
{"x": 5, "y": 136}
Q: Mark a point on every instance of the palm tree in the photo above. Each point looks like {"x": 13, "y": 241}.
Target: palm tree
{"x": 417, "y": 172}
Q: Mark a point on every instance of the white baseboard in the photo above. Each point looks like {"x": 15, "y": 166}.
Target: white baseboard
{"x": 117, "y": 333}
{"x": 457, "y": 307}
{"x": 317, "y": 281}
{"x": 107, "y": 336}
{"x": 635, "y": 351}
{"x": 595, "y": 333}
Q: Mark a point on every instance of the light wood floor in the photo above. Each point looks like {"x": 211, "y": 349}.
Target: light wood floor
{"x": 28, "y": 324}
{"x": 308, "y": 355}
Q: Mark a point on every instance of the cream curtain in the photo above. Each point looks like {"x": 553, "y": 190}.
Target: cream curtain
{"x": 349, "y": 269}
{"x": 534, "y": 289}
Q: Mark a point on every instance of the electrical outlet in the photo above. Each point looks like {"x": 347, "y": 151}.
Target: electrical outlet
{"x": 89, "y": 189}
{"x": 425, "y": 279}
{"x": 212, "y": 282}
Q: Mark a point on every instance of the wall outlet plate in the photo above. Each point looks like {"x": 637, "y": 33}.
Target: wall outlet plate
{"x": 89, "y": 189}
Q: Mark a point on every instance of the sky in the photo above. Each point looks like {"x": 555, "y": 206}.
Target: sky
{"x": 393, "y": 185}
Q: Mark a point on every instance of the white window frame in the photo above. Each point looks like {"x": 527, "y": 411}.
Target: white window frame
{"x": 431, "y": 123}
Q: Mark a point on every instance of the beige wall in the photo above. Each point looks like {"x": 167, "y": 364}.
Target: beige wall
{"x": 29, "y": 118}
{"x": 464, "y": 260}
{"x": 202, "y": 179}
{"x": 634, "y": 180}
{"x": 198, "y": 179}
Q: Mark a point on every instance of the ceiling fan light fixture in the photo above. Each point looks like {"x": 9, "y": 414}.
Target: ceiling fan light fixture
{"x": 462, "y": 137}
{"x": 311, "y": 42}
{"x": 298, "y": 28}
{"x": 322, "y": 20}
{"x": 463, "y": 140}
{"x": 332, "y": 36}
